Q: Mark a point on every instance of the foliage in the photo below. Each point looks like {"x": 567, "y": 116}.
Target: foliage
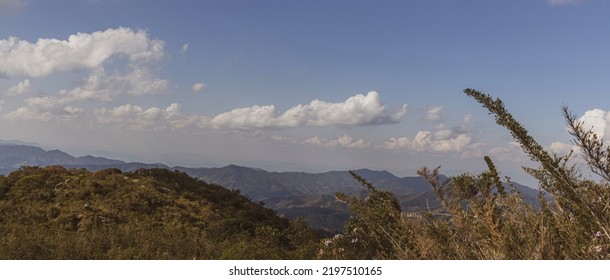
{"x": 58, "y": 213}
{"x": 480, "y": 219}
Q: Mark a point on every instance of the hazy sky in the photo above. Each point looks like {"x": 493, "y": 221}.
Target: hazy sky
{"x": 301, "y": 85}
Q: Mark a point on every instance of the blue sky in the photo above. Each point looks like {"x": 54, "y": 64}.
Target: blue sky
{"x": 301, "y": 85}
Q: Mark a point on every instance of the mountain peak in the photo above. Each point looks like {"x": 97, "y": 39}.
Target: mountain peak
{"x": 18, "y": 143}
{"x": 374, "y": 175}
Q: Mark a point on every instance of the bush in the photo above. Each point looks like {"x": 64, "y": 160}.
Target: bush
{"x": 481, "y": 220}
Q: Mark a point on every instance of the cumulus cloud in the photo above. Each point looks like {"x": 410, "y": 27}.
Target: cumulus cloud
{"x": 48, "y": 108}
{"x": 441, "y": 140}
{"x": 428, "y": 141}
{"x": 316, "y": 140}
{"x": 509, "y": 152}
{"x": 355, "y": 111}
{"x": 98, "y": 86}
{"x": 198, "y": 87}
{"x": 561, "y": 148}
{"x": 18, "y": 89}
{"x": 80, "y": 51}
{"x": 434, "y": 113}
{"x": 564, "y": 2}
{"x": 103, "y": 87}
{"x": 597, "y": 120}
{"x": 136, "y": 117}
{"x": 345, "y": 141}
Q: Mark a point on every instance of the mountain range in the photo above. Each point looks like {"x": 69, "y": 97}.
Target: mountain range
{"x": 310, "y": 196}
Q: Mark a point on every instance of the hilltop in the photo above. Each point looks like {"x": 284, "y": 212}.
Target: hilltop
{"x": 59, "y": 213}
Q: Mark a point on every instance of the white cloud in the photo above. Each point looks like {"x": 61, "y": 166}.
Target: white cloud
{"x": 79, "y": 51}
{"x": 441, "y": 140}
{"x": 136, "y": 117}
{"x": 434, "y": 113}
{"x": 598, "y": 120}
{"x": 48, "y": 108}
{"x": 397, "y": 143}
{"x": 198, "y": 87}
{"x": 25, "y": 113}
{"x": 510, "y": 152}
{"x": 316, "y": 141}
{"x": 103, "y": 87}
{"x": 360, "y": 144}
{"x": 97, "y": 86}
{"x": 20, "y": 88}
{"x": 245, "y": 118}
{"x": 564, "y": 2}
{"x": 561, "y": 148}
{"x": 184, "y": 49}
{"x": 344, "y": 141}
{"x": 347, "y": 142}
{"x": 82, "y": 51}
{"x": 355, "y": 111}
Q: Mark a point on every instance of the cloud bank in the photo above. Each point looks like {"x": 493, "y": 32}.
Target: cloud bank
{"x": 444, "y": 140}
{"x": 357, "y": 110}
{"x": 80, "y": 51}
{"x": 344, "y": 141}
{"x": 136, "y": 117}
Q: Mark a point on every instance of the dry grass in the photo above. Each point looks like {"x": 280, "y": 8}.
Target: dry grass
{"x": 481, "y": 220}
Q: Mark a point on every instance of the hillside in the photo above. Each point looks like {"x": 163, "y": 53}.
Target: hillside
{"x": 261, "y": 185}
{"x": 58, "y": 213}
{"x": 310, "y": 196}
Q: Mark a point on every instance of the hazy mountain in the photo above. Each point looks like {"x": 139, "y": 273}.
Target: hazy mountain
{"x": 292, "y": 194}
{"x": 13, "y": 156}
{"x": 18, "y": 142}
{"x": 261, "y": 185}
{"x": 312, "y": 195}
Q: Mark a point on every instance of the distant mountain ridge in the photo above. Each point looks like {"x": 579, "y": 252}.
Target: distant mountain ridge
{"x": 13, "y": 156}
{"x": 292, "y": 194}
{"x": 260, "y": 184}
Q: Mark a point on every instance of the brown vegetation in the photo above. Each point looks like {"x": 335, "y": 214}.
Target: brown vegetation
{"x": 59, "y": 213}
{"x": 480, "y": 220}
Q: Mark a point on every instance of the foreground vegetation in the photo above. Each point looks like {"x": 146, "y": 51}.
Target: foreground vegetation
{"x": 56, "y": 213}
{"x": 481, "y": 219}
